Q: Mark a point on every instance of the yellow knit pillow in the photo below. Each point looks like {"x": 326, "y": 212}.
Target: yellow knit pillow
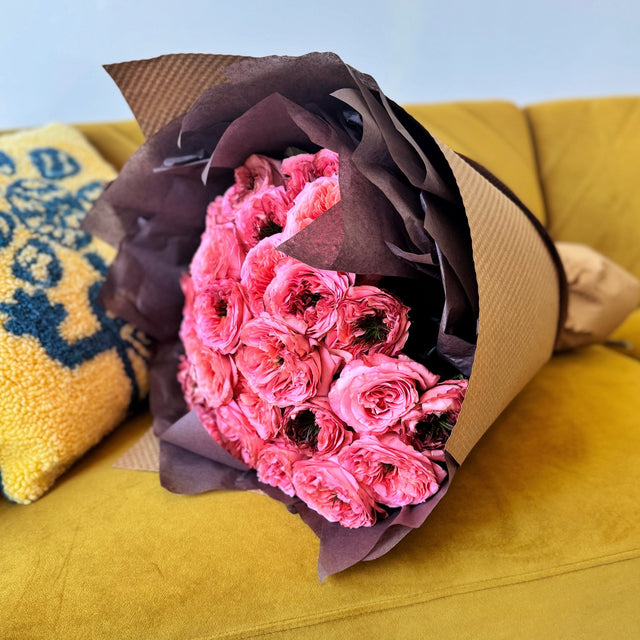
{"x": 68, "y": 370}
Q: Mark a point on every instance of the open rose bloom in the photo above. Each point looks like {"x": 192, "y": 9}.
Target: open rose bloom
{"x": 329, "y": 330}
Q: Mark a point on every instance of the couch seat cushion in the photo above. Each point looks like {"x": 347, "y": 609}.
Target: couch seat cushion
{"x": 538, "y": 537}
{"x": 627, "y": 335}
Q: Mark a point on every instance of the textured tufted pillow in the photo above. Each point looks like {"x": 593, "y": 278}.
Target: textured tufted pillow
{"x": 69, "y": 371}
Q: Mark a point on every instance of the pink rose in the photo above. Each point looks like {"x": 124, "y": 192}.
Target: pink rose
{"x": 187, "y": 379}
{"x": 429, "y": 424}
{"x": 275, "y": 465}
{"x": 280, "y": 365}
{"x": 262, "y": 214}
{"x": 369, "y": 320}
{"x": 218, "y": 256}
{"x": 373, "y": 393}
{"x": 297, "y": 171}
{"x": 258, "y": 270}
{"x": 445, "y": 398}
{"x": 263, "y": 416}
{"x": 219, "y": 212}
{"x": 234, "y": 425}
{"x": 314, "y": 428}
{"x": 220, "y": 311}
{"x": 314, "y": 199}
{"x": 207, "y": 377}
{"x": 394, "y": 473}
{"x": 258, "y": 173}
{"x": 300, "y": 169}
{"x": 325, "y": 163}
{"x": 306, "y": 298}
{"x": 334, "y": 493}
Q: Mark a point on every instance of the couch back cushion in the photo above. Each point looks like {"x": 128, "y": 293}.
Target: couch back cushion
{"x": 495, "y": 134}
{"x": 589, "y": 154}
{"x": 115, "y": 141}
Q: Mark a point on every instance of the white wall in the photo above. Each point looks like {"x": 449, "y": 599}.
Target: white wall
{"x": 51, "y": 51}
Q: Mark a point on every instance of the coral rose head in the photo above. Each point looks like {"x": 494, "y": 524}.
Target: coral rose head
{"x": 302, "y": 168}
{"x": 315, "y": 428}
{"x": 393, "y": 472}
{"x": 263, "y": 416}
{"x": 334, "y": 493}
{"x": 306, "y": 298}
{"x": 219, "y": 256}
{"x": 220, "y": 311}
{"x": 374, "y": 393}
{"x": 430, "y": 423}
{"x": 258, "y": 270}
{"x": 283, "y": 367}
{"x": 234, "y": 425}
{"x": 275, "y": 465}
{"x": 314, "y": 199}
{"x": 261, "y": 215}
{"x": 369, "y": 320}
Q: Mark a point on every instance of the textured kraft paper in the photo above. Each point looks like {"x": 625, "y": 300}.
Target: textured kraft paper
{"x": 487, "y": 236}
{"x": 188, "y": 75}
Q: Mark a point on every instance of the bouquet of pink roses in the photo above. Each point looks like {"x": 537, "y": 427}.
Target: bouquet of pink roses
{"x": 361, "y": 302}
{"x": 299, "y": 371}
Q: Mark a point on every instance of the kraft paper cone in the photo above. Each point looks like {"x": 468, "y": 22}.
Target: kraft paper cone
{"x": 519, "y": 290}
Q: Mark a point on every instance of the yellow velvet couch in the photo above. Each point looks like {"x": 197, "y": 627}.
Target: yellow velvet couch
{"x": 538, "y": 537}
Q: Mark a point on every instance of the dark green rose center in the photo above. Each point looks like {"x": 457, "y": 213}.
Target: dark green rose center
{"x": 303, "y": 429}
{"x": 308, "y": 299}
{"x": 433, "y": 430}
{"x": 269, "y": 228}
{"x": 373, "y": 327}
{"x": 220, "y": 307}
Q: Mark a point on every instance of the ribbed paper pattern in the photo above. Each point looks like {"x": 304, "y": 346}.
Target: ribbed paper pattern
{"x": 143, "y": 456}
{"x": 184, "y": 77}
{"x": 519, "y": 304}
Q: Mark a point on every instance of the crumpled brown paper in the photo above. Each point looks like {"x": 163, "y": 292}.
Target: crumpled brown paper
{"x": 601, "y": 295}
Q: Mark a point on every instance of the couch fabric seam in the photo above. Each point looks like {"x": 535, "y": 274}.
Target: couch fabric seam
{"x": 418, "y": 599}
